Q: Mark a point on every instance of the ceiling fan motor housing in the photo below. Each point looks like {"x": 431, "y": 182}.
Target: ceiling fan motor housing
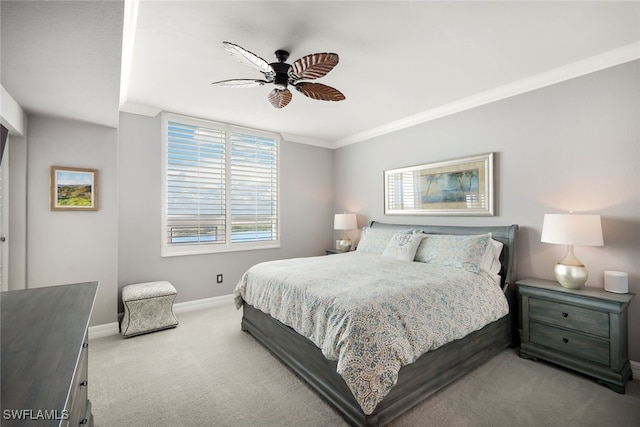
{"x": 281, "y": 78}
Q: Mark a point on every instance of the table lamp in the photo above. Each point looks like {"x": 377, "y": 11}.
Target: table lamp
{"x": 570, "y": 230}
{"x": 345, "y": 222}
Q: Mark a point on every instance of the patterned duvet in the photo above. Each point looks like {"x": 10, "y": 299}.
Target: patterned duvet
{"x": 372, "y": 314}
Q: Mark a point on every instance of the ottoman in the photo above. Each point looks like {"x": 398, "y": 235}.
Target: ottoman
{"x": 148, "y": 307}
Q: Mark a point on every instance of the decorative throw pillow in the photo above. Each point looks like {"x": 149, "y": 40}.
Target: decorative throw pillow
{"x": 375, "y": 240}
{"x": 464, "y": 252}
{"x": 403, "y": 246}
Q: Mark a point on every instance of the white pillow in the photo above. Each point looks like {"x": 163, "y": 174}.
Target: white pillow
{"x": 375, "y": 240}
{"x": 403, "y": 246}
{"x": 491, "y": 258}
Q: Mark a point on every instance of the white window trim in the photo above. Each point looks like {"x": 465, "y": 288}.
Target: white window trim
{"x": 203, "y": 248}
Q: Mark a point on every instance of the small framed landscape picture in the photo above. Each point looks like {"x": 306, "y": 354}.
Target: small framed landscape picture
{"x": 73, "y": 189}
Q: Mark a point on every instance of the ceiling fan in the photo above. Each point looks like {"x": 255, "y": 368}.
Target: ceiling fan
{"x": 282, "y": 74}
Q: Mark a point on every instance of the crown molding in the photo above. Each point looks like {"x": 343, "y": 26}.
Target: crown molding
{"x": 589, "y": 65}
{"x": 612, "y": 58}
{"x": 148, "y": 111}
{"x": 142, "y": 110}
{"x": 301, "y": 139}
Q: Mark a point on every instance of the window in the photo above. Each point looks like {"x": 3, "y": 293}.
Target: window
{"x": 220, "y": 187}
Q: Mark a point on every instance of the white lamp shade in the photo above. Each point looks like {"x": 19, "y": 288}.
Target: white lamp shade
{"x": 345, "y": 222}
{"x": 567, "y": 229}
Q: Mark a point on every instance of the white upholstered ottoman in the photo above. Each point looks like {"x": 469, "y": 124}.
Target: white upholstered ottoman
{"x": 148, "y": 307}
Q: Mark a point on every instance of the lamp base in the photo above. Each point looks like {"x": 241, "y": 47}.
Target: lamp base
{"x": 344, "y": 245}
{"x": 571, "y": 276}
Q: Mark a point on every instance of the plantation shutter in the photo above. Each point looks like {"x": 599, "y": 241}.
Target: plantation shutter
{"x": 195, "y": 185}
{"x": 254, "y": 188}
{"x": 220, "y": 187}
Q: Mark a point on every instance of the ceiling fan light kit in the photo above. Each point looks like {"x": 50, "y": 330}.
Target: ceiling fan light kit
{"x": 282, "y": 75}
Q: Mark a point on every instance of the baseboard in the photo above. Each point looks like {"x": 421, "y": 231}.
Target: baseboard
{"x": 105, "y": 330}
{"x": 109, "y": 329}
{"x": 200, "y": 304}
{"x": 635, "y": 369}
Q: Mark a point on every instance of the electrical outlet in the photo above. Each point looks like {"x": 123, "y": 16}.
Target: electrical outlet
{"x": 219, "y": 278}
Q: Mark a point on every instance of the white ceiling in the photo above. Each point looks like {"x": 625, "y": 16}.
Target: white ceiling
{"x": 63, "y": 58}
{"x": 400, "y": 62}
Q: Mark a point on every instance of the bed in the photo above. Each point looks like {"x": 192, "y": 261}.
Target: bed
{"x": 361, "y": 398}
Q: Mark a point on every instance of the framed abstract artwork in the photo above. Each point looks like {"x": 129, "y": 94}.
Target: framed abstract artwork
{"x": 73, "y": 189}
{"x": 461, "y": 187}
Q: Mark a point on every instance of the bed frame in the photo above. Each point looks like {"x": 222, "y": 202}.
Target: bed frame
{"x": 429, "y": 373}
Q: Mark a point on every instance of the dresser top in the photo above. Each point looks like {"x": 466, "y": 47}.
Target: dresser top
{"x": 587, "y": 291}
{"x": 42, "y": 331}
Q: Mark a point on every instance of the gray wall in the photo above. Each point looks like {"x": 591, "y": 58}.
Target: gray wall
{"x": 70, "y": 247}
{"x": 306, "y": 190}
{"x": 571, "y": 146}
{"x": 120, "y": 243}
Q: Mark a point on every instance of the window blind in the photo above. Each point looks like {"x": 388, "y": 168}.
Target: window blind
{"x": 195, "y": 185}
{"x": 254, "y": 188}
{"x": 220, "y": 188}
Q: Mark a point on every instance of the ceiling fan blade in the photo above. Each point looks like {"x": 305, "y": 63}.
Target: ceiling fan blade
{"x": 240, "y": 83}
{"x": 314, "y": 66}
{"x": 280, "y": 98}
{"x": 320, "y": 91}
{"x": 248, "y": 58}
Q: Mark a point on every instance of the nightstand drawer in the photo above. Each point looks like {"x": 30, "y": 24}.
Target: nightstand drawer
{"x": 572, "y": 343}
{"x": 569, "y": 316}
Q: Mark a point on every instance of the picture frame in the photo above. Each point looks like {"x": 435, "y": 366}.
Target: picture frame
{"x": 458, "y": 187}
{"x": 73, "y": 189}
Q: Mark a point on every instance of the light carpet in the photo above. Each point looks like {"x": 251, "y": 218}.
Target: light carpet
{"x": 207, "y": 372}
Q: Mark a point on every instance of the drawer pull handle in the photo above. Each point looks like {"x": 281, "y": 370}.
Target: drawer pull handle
{"x": 85, "y": 344}
{"x": 565, "y": 314}
{"x": 84, "y": 421}
{"x": 565, "y": 340}
{"x": 84, "y": 383}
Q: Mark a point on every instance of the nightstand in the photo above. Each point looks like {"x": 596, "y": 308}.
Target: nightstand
{"x": 581, "y": 329}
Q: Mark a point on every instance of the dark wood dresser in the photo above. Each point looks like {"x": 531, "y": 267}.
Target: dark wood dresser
{"x": 44, "y": 355}
{"x": 581, "y": 329}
